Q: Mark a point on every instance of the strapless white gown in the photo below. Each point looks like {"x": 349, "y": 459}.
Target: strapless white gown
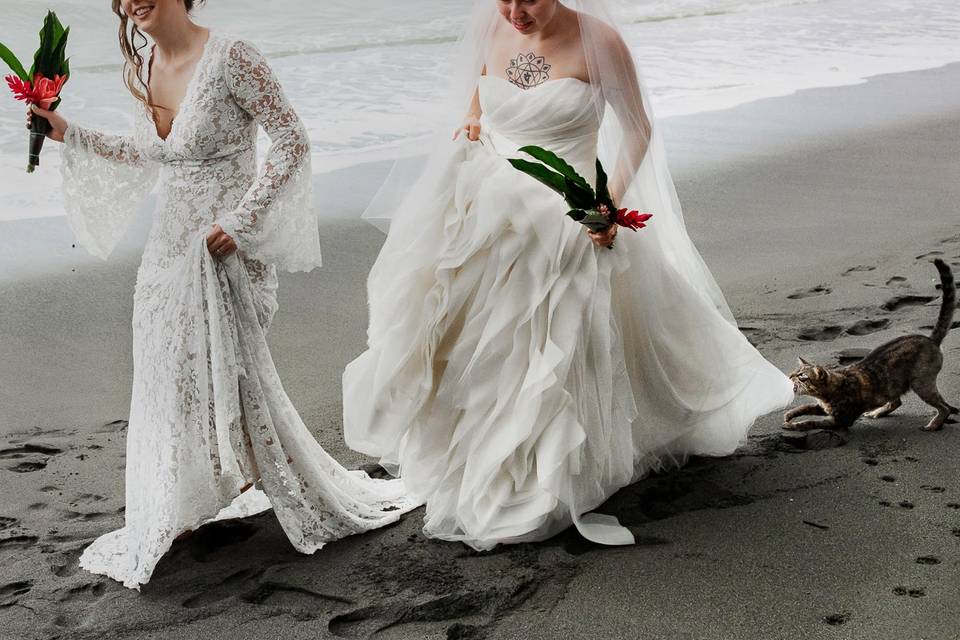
{"x": 506, "y": 380}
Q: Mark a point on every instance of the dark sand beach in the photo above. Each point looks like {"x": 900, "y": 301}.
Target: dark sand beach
{"x": 819, "y": 214}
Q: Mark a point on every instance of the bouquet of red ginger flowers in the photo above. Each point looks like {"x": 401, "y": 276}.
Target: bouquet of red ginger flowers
{"x": 593, "y": 209}
{"x": 42, "y": 85}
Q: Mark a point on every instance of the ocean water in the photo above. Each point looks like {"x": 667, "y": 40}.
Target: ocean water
{"x": 366, "y": 76}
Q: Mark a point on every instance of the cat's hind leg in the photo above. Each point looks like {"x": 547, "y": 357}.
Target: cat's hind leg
{"x": 928, "y": 392}
{"x": 885, "y": 410}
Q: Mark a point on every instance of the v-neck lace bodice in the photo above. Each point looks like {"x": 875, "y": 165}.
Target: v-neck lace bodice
{"x": 188, "y": 90}
{"x": 206, "y": 168}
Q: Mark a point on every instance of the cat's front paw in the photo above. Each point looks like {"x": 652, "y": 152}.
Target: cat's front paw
{"x": 797, "y": 426}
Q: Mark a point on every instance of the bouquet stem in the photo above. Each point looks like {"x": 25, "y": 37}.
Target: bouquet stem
{"x": 39, "y": 129}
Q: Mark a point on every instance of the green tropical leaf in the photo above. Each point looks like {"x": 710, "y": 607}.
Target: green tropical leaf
{"x": 595, "y": 221}
{"x": 50, "y": 58}
{"x": 557, "y": 163}
{"x": 539, "y": 172}
{"x": 58, "y": 29}
{"x": 603, "y": 191}
{"x": 14, "y": 63}
{"x": 59, "y": 53}
{"x": 577, "y": 195}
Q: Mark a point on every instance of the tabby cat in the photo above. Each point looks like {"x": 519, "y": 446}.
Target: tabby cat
{"x": 874, "y": 385}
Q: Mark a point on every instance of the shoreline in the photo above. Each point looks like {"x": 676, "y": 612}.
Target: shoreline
{"x": 682, "y": 132}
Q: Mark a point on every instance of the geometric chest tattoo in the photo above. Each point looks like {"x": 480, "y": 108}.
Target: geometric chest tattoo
{"x": 528, "y": 70}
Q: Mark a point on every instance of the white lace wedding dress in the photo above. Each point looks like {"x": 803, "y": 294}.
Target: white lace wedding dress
{"x": 509, "y": 380}
{"x": 208, "y": 414}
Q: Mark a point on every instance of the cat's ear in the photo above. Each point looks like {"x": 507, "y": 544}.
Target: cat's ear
{"x": 803, "y": 363}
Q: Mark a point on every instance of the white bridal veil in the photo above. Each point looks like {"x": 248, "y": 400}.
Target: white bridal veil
{"x": 698, "y": 384}
{"x": 630, "y": 148}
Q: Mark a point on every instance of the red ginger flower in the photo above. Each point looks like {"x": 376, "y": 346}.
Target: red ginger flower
{"x": 42, "y": 92}
{"x": 632, "y": 219}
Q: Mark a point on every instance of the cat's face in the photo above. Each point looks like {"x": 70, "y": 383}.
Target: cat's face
{"x": 810, "y": 379}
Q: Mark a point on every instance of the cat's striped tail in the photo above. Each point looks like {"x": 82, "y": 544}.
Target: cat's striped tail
{"x": 949, "y": 302}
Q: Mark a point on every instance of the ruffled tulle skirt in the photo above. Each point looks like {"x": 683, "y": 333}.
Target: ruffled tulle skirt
{"x": 507, "y": 383}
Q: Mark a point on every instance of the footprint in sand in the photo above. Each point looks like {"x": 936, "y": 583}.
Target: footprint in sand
{"x": 754, "y": 335}
{"x": 928, "y": 560}
{"x": 226, "y": 588}
{"x": 65, "y": 569}
{"x": 905, "y": 504}
{"x": 94, "y": 516}
{"x": 932, "y": 489}
{"x": 85, "y": 592}
{"x": 929, "y": 327}
{"x": 888, "y": 478}
{"x": 956, "y": 533}
{"x": 819, "y": 290}
{"x": 34, "y": 457}
{"x": 292, "y": 597}
{"x": 367, "y": 621}
{"x": 905, "y": 591}
{"x": 860, "y": 268}
{"x": 6, "y": 523}
{"x": 820, "y": 333}
{"x": 896, "y": 281}
{"x": 18, "y": 542}
{"x": 953, "y": 505}
{"x": 10, "y": 593}
{"x": 929, "y": 254}
{"x": 837, "y": 619}
{"x": 86, "y": 498}
{"x": 113, "y": 427}
{"x": 898, "y": 302}
{"x": 866, "y": 327}
{"x": 82, "y": 598}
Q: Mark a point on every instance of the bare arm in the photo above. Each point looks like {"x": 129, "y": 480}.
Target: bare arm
{"x": 471, "y": 123}
{"x": 625, "y": 97}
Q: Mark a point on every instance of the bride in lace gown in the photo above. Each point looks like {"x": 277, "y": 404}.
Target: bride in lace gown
{"x": 538, "y": 372}
{"x": 208, "y": 416}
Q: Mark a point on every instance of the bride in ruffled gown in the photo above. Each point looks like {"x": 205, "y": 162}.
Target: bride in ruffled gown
{"x": 517, "y": 373}
{"x": 208, "y": 415}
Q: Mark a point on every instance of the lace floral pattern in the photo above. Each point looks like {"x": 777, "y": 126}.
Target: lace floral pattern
{"x": 208, "y": 413}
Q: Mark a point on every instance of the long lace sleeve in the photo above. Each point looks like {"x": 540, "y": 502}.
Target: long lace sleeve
{"x": 275, "y": 221}
{"x": 105, "y": 179}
